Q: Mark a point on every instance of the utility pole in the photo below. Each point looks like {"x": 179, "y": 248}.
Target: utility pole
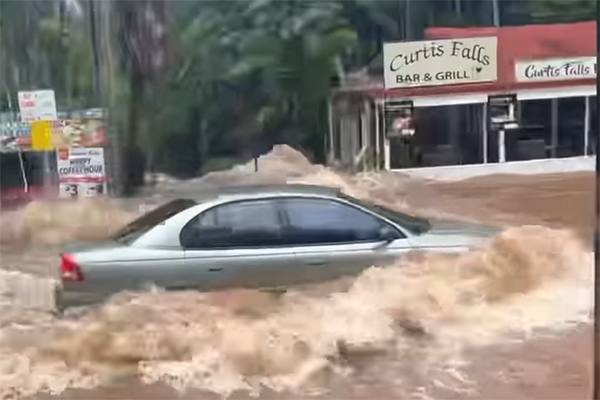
{"x": 64, "y": 38}
{"x": 496, "y": 13}
{"x": 407, "y": 24}
{"x": 596, "y": 347}
{"x": 93, "y": 19}
{"x": 458, "y": 9}
{"x": 107, "y": 99}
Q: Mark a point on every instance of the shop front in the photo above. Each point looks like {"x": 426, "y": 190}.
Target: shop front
{"x": 478, "y": 96}
{"x": 76, "y": 169}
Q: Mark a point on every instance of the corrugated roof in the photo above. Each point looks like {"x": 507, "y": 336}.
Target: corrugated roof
{"x": 530, "y": 42}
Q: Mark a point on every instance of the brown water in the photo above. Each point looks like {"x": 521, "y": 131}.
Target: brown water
{"x": 432, "y": 326}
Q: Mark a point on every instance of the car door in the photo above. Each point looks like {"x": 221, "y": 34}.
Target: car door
{"x": 335, "y": 239}
{"x": 239, "y": 245}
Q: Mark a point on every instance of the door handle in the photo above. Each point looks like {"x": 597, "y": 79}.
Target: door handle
{"x": 316, "y": 263}
{"x": 215, "y": 269}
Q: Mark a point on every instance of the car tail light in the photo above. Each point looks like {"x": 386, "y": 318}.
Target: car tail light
{"x": 69, "y": 269}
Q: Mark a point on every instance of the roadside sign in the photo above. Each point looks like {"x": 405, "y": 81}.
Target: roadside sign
{"x": 81, "y": 172}
{"x": 399, "y": 119}
{"x": 502, "y": 111}
{"x": 37, "y": 105}
{"x": 41, "y": 135}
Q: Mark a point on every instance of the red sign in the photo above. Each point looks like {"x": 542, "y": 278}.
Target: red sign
{"x": 63, "y": 154}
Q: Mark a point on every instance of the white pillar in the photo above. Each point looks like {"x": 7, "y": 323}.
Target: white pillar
{"x": 501, "y": 146}
{"x": 366, "y": 129}
{"x": 377, "y": 134}
{"x": 484, "y": 126}
{"x": 386, "y": 153}
{"x": 586, "y": 127}
{"x": 386, "y": 142}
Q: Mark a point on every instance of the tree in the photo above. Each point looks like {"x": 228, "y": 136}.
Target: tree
{"x": 294, "y": 49}
{"x": 551, "y": 11}
{"x": 142, "y": 32}
{"x": 248, "y": 72}
{"x": 35, "y": 55}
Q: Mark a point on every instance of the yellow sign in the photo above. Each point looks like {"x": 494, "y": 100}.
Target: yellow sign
{"x": 41, "y": 135}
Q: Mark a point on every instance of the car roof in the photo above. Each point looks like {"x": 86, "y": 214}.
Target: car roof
{"x": 267, "y": 190}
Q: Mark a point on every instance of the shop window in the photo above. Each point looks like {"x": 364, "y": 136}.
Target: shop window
{"x": 533, "y": 139}
{"x": 443, "y": 135}
{"x": 538, "y": 138}
{"x": 571, "y": 127}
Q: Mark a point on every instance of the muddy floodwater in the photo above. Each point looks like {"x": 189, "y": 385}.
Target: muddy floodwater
{"x": 510, "y": 319}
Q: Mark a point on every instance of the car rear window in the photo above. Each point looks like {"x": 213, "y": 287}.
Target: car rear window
{"x": 143, "y": 224}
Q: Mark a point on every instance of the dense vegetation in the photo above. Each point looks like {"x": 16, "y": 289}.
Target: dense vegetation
{"x": 195, "y": 82}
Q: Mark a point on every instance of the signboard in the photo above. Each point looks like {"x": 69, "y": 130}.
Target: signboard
{"x": 401, "y": 122}
{"x": 64, "y": 133}
{"x": 502, "y": 112}
{"x": 80, "y": 133}
{"x": 41, "y": 135}
{"x": 440, "y": 62}
{"x": 81, "y": 172}
{"x": 38, "y": 105}
{"x": 555, "y": 69}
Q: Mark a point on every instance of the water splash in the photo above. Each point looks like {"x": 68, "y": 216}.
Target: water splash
{"x": 424, "y": 310}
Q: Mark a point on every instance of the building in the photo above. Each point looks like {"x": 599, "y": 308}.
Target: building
{"x": 550, "y": 69}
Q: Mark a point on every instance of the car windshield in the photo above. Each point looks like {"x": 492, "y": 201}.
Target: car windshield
{"x": 415, "y": 225}
{"x": 143, "y": 224}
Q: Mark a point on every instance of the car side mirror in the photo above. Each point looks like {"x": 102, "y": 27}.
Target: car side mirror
{"x": 387, "y": 234}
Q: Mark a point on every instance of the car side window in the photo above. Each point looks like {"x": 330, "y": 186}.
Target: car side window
{"x": 241, "y": 224}
{"x": 322, "y": 221}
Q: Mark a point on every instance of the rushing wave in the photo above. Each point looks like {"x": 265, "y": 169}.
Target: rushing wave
{"x": 426, "y": 309}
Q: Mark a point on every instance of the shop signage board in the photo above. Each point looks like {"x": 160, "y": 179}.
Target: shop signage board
{"x": 64, "y": 133}
{"x": 440, "y": 62}
{"x": 502, "y": 111}
{"x": 81, "y": 172}
{"x": 37, "y": 105}
{"x": 41, "y": 135}
{"x": 556, "y": 69}
{"x": 399, "y": 119}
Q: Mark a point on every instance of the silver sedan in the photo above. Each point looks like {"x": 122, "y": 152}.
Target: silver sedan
{"x": 267, "y": 237}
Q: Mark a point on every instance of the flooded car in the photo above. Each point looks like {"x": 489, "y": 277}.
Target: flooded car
{"x": 264, "y": 237}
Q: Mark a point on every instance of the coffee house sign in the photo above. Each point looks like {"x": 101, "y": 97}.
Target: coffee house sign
{"x": 440, "y": 62}
{"x": 556, "y": 69}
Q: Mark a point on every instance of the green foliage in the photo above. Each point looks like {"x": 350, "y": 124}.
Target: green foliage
{"x": 252, "y": 72}
{"x": 550, "y": 11}
{"x": 239, "y": 75}
{"x": 39, "y": 51}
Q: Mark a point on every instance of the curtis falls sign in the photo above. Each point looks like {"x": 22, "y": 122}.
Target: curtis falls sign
{"x": 556, "y": 69}
{"x": 440, "y": 62}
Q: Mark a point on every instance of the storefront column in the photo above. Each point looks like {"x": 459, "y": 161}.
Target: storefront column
{"x": 554, "y": 128}
{"x": 386, "y": 142}
{"x": 331, "y": 152}
{"x": 386, "y": 153}
{"x": 586, "y": 127}
{"x": 501, "y": 145}
{"x": 484, "y": 130}
{"x": 366, "y": 133}
{"x": 377, "y": 135}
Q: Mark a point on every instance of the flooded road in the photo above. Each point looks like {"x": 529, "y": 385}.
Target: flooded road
{"x": 509, "y": 320}
{"x": 555, "y": 200}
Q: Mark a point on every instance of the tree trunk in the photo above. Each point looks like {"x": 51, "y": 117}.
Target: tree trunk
{"x": 133, "y": 159}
